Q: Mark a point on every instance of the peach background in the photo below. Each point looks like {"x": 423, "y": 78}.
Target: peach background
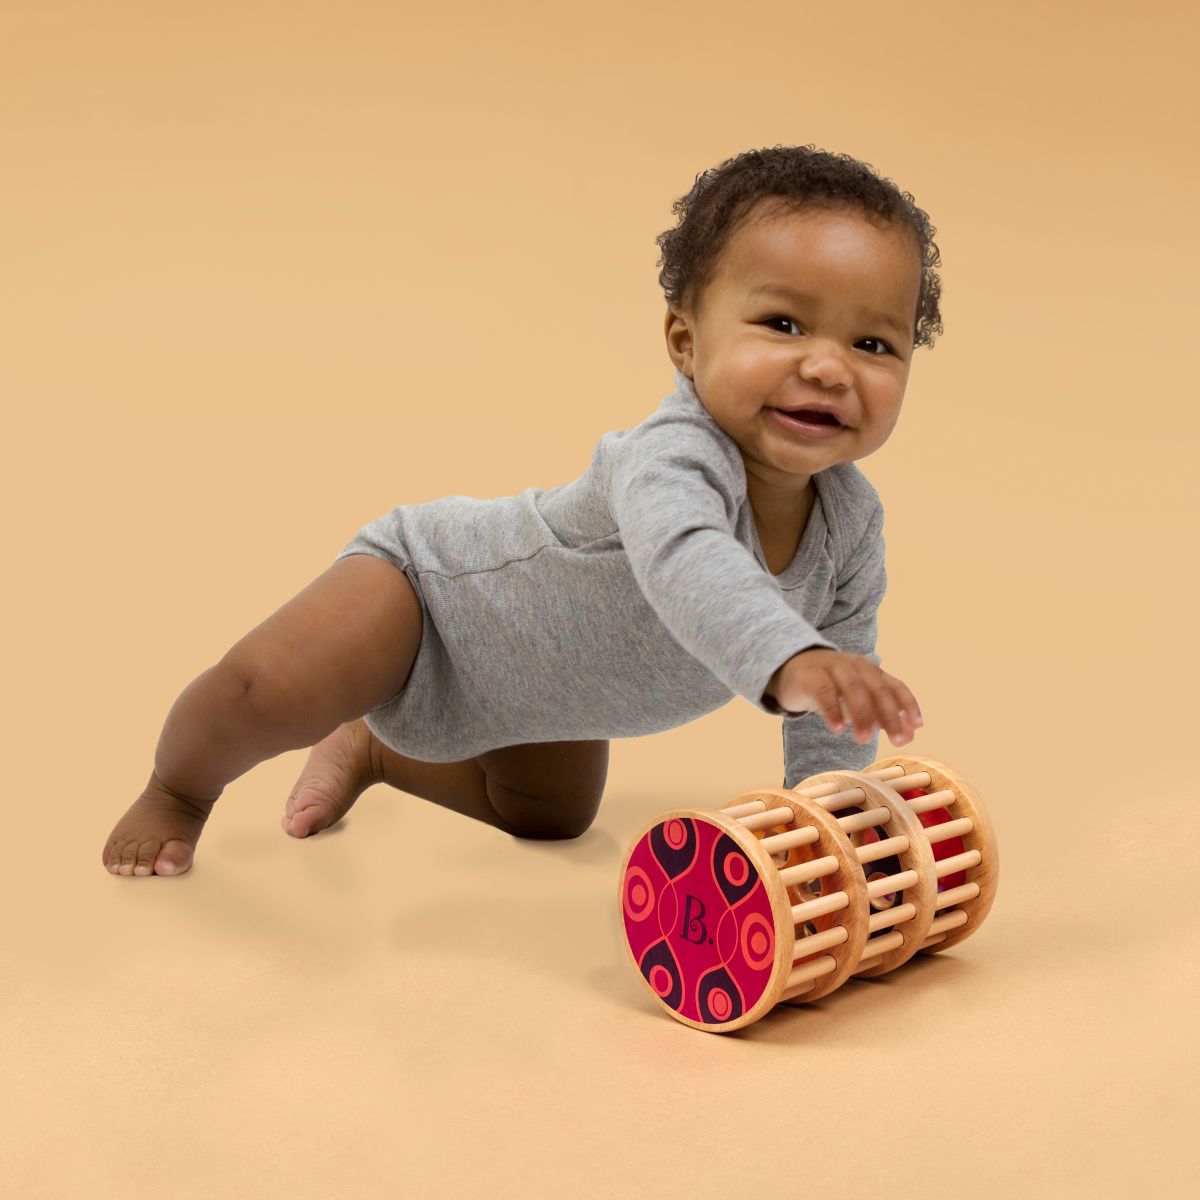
{"x": 270, "y": 269}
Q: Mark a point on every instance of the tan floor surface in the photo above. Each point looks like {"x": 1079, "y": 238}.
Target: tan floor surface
{"x": 413, "y": 1003}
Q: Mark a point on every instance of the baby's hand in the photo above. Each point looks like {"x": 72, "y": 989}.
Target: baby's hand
{"x": 832, "y": 683}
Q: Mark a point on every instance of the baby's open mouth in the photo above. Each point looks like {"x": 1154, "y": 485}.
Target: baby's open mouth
{"x": 810, "y": 416}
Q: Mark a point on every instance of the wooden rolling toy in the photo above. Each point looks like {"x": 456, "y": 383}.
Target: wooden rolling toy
{"x": 782, "y": 895}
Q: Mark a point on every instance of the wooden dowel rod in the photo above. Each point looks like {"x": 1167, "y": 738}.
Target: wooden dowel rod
{"x": 891, "y": 916}
{"x": 778, "y": 842}
{"x": 948, "y": 829}
{"x": 877, "y": 850}
{"x": 933, "y": 941}
{"x": 744, "y": 810}
{"x": 958, "y": 895}
{"x": 944, "y": 799}
{"x": 892, "y": 883}
{"x": 886, "y": 774}
{"x": 819, "y": 907}
{"x": 905, "y": 783}
{"x": 811, "y": 970}
{"x": 792, "y": 993}
{"x": 807, "y": 872}
{"x": 947, "y": 922}
{"x": 960, "y": 862}
{"x": 844, "y": 799}
{"x": 878, "y": 947}
{"x": 815, "y": 942}
{"x": 818, "y": 789}
{"x": 856, "y": 822}
{"x": 782, "y": 815}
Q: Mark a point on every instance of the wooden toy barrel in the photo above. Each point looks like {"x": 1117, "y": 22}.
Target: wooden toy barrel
{"x": 953, "y": 823}
{"x": 887, "y": 842}
{"x": 890, "y": 843}
{"x": 967, "y": 858}
{"x": 955, "y": 826}
{"x": 782, "y": 895}
{"x": 728, "y": 912}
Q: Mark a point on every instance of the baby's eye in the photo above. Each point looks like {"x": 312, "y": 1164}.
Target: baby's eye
{"x": 783, "y": 320}
{"x": 885, "y": 346}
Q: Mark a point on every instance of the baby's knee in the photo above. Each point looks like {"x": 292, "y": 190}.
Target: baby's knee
{"x": 543, "y": 819}
{"x": 546, "y": 789}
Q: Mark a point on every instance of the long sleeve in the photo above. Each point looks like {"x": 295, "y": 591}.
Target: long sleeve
{"x": 809, "y": 746}
{"x": 674, "y": 492}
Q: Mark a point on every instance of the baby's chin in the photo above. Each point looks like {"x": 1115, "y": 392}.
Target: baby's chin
{"x": 804, "y": 459}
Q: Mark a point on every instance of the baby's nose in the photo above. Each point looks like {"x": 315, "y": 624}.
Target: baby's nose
{"x": 822, "y": 361}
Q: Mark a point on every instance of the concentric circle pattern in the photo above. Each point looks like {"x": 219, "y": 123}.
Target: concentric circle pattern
{"x": 698, "y": 920}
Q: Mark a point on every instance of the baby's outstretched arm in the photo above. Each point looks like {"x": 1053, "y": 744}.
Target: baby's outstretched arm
{"x": 342, "y": 646}
{"x": 836, "y": 684}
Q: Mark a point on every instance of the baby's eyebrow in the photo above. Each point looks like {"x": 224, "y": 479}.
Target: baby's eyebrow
{"x": 781, "y": 289}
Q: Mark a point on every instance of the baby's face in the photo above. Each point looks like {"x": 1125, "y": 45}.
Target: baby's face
{"x": 842, "y": 339}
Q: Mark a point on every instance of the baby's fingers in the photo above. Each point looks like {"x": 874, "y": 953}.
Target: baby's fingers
{"x": 859, "y": 694}
{"x": 827, "y": 701}
{"x": 876, "y": 700}
{"x": 896, "y": 708}
{"x": 906, "y": 700}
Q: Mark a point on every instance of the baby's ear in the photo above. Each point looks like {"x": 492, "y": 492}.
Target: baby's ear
{"x": 678, "y": 331}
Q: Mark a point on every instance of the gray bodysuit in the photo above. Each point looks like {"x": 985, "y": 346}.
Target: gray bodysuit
{"x": 632, "y": 600}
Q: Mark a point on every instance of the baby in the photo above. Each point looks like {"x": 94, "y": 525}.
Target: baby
{"x": 481, "y": 653}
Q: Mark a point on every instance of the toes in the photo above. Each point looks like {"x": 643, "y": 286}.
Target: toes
{"x": 147, "y": 853}
{"x": 128, "y": 857}
{"x": 291, "y": 828}
{"x": 151, "y": 857}
{"x": 176, "y": 857}
{"x": 301, "y": 823}
{"x": 301, "y": 820}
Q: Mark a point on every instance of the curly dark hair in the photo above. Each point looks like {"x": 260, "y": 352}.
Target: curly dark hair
{"x": 800, "y": 178}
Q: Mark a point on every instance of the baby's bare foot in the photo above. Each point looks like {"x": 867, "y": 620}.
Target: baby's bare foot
{"x": 158, "y": 833}
{"x": 339, "y": 769}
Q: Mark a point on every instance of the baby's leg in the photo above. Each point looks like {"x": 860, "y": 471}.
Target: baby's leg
{"x": 532, "y": 790}
{"x": 342, "y": 646}
{"x": 546, "y": 789}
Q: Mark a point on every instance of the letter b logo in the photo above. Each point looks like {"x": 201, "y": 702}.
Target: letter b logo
{"x": 693, "y": 928}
